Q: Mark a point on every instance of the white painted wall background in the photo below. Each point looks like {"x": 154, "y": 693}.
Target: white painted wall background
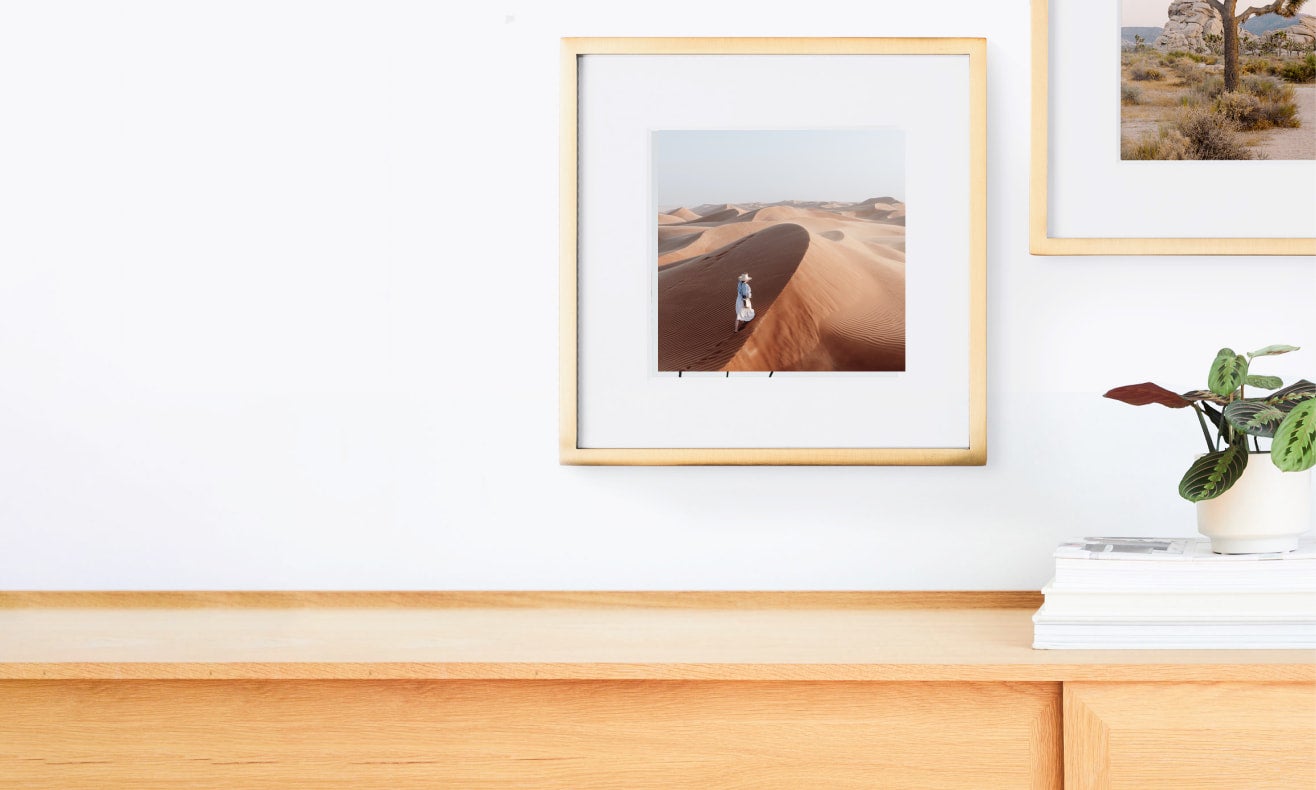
{"x": 246, "y": 255}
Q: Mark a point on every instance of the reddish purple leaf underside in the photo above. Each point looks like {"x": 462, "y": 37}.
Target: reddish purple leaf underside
{"x": 1146, "y": 393}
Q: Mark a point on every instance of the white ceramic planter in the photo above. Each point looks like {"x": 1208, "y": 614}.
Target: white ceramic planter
{"x": 1266, "y": 510}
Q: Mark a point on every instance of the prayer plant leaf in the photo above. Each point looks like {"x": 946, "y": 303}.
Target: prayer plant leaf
{"x": 1264, "y": 382}
{"x": 1294, "y": 448}
{"x": 1293, "y": 394}
{"x": 1214, "y": 473}
{"x": 1227, "y": 372}
{"x": 1197, "y": 395}
{"x": 1254, "y": 416}
{"x": 1270, "y": 351}
{"x": 1143, "y": 394}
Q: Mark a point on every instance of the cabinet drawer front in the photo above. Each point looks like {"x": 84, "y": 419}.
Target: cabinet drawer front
{"x": 495, "y": 734}
{"x": 1207, "y": 736}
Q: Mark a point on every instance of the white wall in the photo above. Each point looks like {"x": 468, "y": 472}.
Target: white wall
{"x": 247, "y": 252}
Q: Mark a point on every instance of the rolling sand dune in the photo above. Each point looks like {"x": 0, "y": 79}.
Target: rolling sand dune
{"x": 668, "y": 232}
{"x": 684, "y": 213}
{"x": 673, "y": 243}
{"x": 715, "y": 208}
{"x": 781, "y": 213}
{"x": 829, "y": 292}
{"x": 696, "y": 318}
{"x": 862, "y": 214}
{"x": 708, "y": 240}
{"x": 669, "y": 219}
{"x": 717, "y": 216}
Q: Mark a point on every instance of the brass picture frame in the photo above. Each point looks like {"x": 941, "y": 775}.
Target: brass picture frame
{"x": 974, "y": 451}
{"x": 1041, "y": 242}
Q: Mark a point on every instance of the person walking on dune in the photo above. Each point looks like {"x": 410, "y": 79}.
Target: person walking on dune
{"x": 744, "y": 309}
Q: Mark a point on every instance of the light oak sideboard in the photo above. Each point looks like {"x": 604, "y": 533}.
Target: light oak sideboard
{"x": 623, "y": 690}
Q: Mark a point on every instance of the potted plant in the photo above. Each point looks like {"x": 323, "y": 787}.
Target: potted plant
{"x": 1246, "y": 502}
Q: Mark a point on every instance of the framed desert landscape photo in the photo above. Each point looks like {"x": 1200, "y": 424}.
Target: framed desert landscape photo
{"x": 773, "y": 251}
{"x": 1158, "y": 125}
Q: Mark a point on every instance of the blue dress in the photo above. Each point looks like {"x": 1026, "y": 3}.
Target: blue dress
{"x": 743, "y": 294}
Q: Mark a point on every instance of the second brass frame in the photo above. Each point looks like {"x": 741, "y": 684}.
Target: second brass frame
{"x": 1040, "y": 240}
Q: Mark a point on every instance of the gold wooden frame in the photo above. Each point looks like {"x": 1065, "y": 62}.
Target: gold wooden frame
{"x": 973, "y": 455}
{"x": 1041, "y": 242}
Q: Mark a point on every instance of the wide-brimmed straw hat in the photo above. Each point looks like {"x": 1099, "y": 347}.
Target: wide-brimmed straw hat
{"x": 744, "y": 277}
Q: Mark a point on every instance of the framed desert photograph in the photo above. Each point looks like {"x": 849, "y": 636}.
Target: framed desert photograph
{"x": 749, "y": 278}
{"x": 1152, "y": 117}
{"x": 818, "y": 283}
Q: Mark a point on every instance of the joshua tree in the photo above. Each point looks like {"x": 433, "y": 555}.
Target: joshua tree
{"x": 1233, "y": 21}
{"x": 1281, "y": 39}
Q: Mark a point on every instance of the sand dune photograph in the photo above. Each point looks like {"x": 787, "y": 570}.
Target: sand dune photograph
{"x": 1217, "y": 79}
{"x": 780, "y": 251}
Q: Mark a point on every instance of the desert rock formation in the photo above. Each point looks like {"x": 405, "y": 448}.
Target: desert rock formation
{"x": 1303, "y": 34}
{"x": 1190, "y": 21}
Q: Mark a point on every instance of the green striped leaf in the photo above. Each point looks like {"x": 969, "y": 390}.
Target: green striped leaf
{"x": 1197, "y": 395}
{"x": 1293, "y": 394}
{"x": 1294, "y": 448}
{"x": 1264, "y": 382}
{"x": 1227, "y": 372}
{"x": 1254, "y": 416}
{"x": 1214, "y": 473}
{"x": 1270, "y": 351}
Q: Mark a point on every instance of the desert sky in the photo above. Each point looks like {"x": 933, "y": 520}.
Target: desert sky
{"x": 765, "y": 166}
{"x": 1144, "y": 13}
{"x": 816, "y": 218}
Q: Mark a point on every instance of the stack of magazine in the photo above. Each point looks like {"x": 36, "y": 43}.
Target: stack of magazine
{"x": 1127, "y": 593}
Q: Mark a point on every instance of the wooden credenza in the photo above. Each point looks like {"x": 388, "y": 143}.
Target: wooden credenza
{"x": 623, "y": 690}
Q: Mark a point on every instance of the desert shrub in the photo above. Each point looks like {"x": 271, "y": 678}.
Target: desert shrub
{"x": 1171, "y": 57}
{"x": 1258, "y": 66}
{"x": 1196, "y": 57}
{"x": 1145, "y": 73}
{"x": 1268, "y": 90}
{"x": 1210, "y": 87}
{"x": 1190, "y": 73}
{"x": 1262, "y": 104}
{"x": 1130, "y": 94}
{"x": 1300, "y": 70}
{"x": 1283, "y": 115}
{"x": 1166, "y": 144}
{"x": 1211, "y": 135}
{"x": 1243, "y": 109}
{"x": 1190, "y": 100}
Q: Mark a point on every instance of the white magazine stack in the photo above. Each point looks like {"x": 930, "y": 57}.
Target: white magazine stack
{"x": 1174, "y": 593}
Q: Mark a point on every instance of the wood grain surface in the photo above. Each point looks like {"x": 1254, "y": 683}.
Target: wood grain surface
{"x": 560, "y": 640}
{"x": 1205, "y": 736}
{"x": 524, "y": 734}
{"x": 521, "y": 599}
{"x": 583, "y": 690}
